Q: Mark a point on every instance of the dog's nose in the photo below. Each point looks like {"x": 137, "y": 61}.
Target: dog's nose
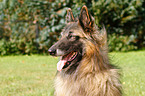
{"x": 52, "y": 51}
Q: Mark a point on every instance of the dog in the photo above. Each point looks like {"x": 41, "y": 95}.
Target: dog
{"x": 84, "y": 68}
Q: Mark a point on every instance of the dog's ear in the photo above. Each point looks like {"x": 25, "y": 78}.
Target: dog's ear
{"x": 86, "y": 20}
{"x": 69, "y": 16}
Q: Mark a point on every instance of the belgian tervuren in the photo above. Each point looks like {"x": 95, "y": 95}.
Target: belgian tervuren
{"x": 84, "y": 68}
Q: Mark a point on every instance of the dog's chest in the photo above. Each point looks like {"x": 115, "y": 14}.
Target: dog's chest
{"x": 85, "y": 86}
{"x": 65, "y": 87}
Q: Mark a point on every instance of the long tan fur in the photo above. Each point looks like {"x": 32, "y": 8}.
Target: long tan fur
{"x": 94, "y": 75}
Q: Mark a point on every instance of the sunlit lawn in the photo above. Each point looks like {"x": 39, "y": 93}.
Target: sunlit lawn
{"x": 33, "y": 75}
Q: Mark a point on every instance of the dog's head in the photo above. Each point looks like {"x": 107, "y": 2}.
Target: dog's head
{"x": 78, "y": 37}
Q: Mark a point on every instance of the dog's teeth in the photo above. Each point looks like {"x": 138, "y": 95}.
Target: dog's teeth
{"x": 74, "y": 53}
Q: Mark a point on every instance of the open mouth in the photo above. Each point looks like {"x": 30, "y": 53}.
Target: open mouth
{"x": 66, "y": 60}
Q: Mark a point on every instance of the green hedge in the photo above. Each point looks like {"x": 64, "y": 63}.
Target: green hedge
{"x": 32, "y": 26}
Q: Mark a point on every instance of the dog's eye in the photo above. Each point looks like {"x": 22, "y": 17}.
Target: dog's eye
{"x": 77, "y": 37}
{"x": 69, "y": 36}
{"x": 73, "y": 38}
{"x": 70, "y": 32}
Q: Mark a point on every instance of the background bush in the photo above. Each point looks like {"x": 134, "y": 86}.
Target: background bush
{"x": 32, "y": 26}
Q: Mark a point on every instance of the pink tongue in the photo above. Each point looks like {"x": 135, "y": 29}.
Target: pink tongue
{"x": 61, "y": 64}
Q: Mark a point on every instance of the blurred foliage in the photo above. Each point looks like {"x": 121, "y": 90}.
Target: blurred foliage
{"x": 124, "y": 20}
{"x": 121, "y": 43}
{"x": 32, "y": 26}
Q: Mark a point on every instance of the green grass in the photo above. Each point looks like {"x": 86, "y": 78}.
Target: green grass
{"x": 33, "y": 75}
